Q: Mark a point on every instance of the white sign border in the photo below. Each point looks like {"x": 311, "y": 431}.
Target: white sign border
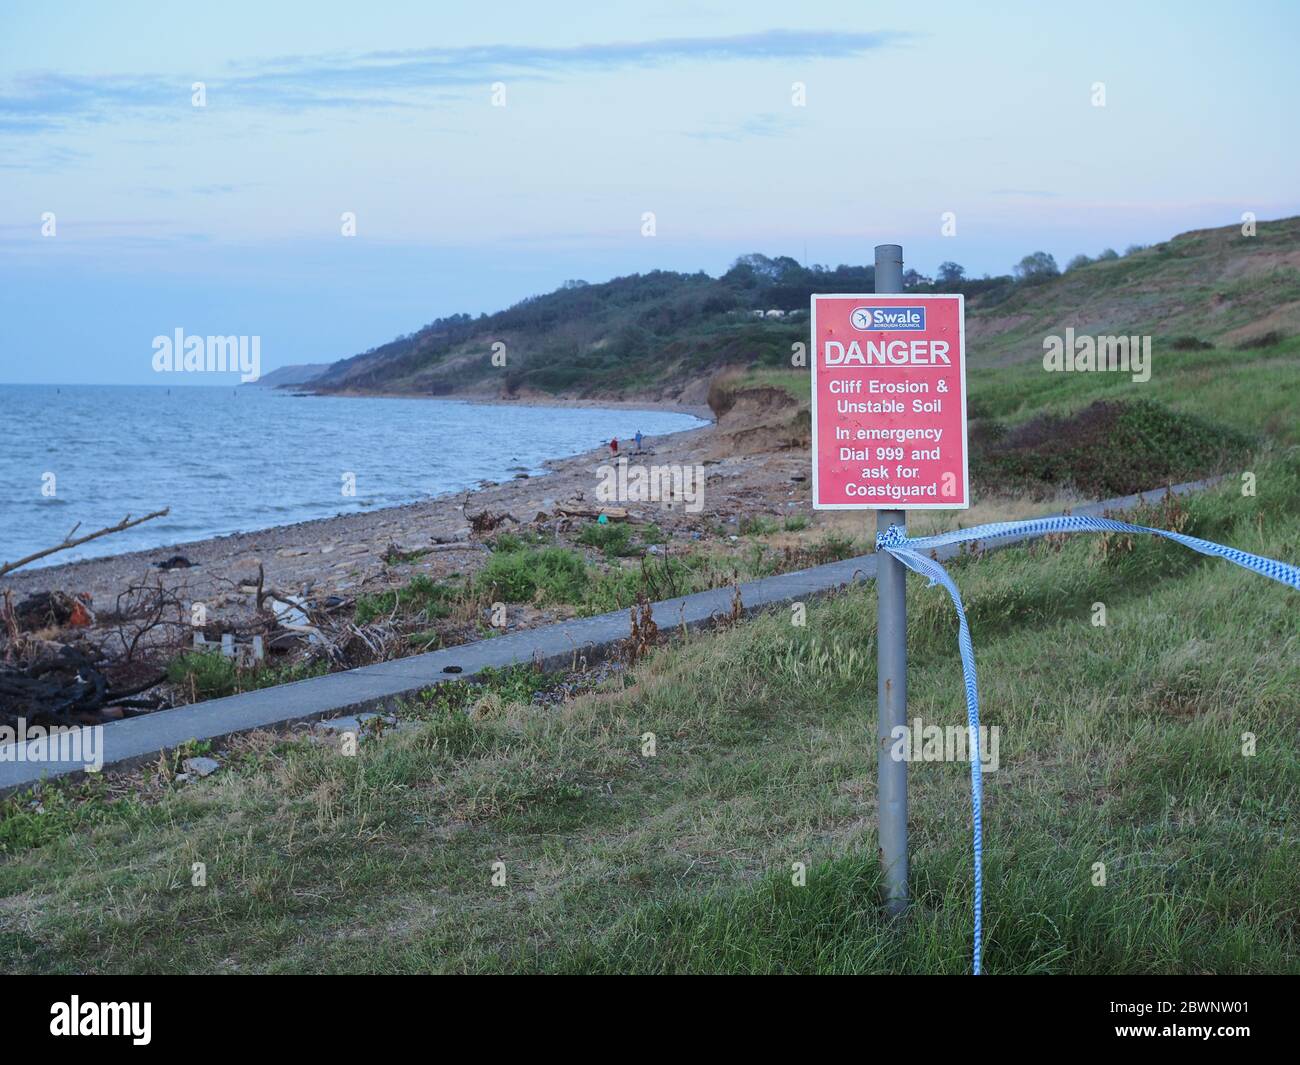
{"x": 965, "y": 425}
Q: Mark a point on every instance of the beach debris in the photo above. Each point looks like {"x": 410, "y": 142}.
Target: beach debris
{"x": 361, "y": 725}
{"x": 486, "y": 520}
{"x": 55, "y": 609}
{"x": 145, "y": 612}
{"x": 202, "y": 766}
{"x": 579, "y": 510}
{"x": 325, "y": 624}
{"x": 176, "y": 562}
{"x": 68, "y": 541}
{"x": 64, "y": 684}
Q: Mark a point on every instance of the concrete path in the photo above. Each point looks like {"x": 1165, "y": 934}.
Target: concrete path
{"x": 558, "y": 646}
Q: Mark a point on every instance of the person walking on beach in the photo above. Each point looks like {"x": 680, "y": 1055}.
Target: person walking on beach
{"x": 638, "y": 440}
{"x": 613, "y": 446}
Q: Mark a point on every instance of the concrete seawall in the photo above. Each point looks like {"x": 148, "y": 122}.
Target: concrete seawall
{"x": 380, "y": 686}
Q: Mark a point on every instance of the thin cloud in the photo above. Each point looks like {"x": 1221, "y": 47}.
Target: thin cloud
{"x": 44, "y": 159}
{"x": 39, "y": 102}
{"x": 1032, "y": 193}
{"x": 765, "y": 125}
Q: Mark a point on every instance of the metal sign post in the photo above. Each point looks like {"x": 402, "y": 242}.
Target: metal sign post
{"x": 891, "y": 666}
{"x": 889, "y": 435}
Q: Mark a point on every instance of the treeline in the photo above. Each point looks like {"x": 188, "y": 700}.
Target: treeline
{"x": 1034, "y": 269}
{"x": 631, "y": 331}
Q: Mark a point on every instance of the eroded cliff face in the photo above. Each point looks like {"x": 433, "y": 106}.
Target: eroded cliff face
{"x": 755, "y": 418}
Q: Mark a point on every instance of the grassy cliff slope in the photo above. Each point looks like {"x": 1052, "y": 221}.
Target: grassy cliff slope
{"x": 662, "y": 335}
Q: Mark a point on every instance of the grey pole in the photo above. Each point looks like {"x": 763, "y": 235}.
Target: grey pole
{"x": 891, "y": 663}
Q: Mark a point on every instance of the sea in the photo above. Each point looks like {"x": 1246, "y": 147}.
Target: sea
{"x": 239, "y": 459}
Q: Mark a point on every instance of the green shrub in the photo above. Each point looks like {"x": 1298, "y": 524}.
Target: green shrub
{"x": 506, "y": 542}
{"x": 1105, "y": 449}
{"x": 420, "y": 596}
{"x": 549, "y": 575}
{"x": 615, "y": 540}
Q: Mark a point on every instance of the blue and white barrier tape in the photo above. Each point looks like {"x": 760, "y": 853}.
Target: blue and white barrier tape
{"x": 906, "y": 550}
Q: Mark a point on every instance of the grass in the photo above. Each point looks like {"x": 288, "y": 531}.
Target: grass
{"x": 1256, "y": 393}
{"x": 757, "y": 525}
{"x": 1120, "y": 745}
{"x": 655, "y": 824}
{"x": 1207, "y": 284}
{"x": 797, "y": 383}
{"x": 211, "y": 675}
{"x": 551, "y": 576}
{"x": 28, "y": 821}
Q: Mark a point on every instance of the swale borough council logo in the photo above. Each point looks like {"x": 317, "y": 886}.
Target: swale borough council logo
{"x": 868, "y": 318}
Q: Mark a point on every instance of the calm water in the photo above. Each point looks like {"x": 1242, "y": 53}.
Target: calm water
{"x": 229, "y": 460}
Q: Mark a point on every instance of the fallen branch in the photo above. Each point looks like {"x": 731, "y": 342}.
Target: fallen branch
{"x": 126, "y": 523}
{"x": 143, "y": 608}
{"x": 571, "y": 510}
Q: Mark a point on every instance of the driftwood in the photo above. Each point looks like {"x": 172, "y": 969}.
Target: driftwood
{"x": 572, "y": 510}
{"x": 486, "y": 521}
{"x": 126, "y": 523}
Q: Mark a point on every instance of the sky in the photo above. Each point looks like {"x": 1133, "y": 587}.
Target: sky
{"x": 490, "y": 152}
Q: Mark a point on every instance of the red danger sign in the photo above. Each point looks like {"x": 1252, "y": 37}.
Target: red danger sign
{"x": 889, "y": 403}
